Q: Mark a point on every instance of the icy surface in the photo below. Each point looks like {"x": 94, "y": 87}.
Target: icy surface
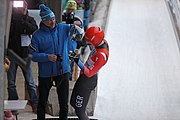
{"x": 141, "y": 80}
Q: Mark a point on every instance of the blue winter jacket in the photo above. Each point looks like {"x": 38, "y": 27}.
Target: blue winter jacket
{"x": 47, "y": 41}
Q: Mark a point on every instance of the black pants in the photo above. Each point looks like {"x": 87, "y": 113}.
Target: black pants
{"x": 45, "y": 84}
{"x": 81, "y": 93}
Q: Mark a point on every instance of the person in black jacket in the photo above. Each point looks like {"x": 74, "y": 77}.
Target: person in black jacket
{"x": 22, "y": 26}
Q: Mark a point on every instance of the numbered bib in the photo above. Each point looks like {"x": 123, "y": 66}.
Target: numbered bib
{"x": 25, "y": 40}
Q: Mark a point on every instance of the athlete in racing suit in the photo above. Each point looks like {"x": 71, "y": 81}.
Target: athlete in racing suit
{"x": 87, "y": 80}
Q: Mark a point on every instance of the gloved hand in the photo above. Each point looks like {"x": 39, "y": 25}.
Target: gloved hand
{"x": 79, "y": 33}
{"x": 74, "y": 56}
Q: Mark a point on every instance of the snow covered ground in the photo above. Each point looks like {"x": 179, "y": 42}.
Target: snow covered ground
{"x": 141, "y": 80}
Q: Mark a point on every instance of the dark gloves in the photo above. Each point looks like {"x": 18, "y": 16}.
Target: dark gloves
{"x": 74, "y": 56}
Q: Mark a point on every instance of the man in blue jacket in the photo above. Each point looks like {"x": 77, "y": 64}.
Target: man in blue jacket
{"x": 50, "y": 49}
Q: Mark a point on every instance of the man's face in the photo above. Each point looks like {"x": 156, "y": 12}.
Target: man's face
{"x": 69, "y": 10}
{"x": 50, "y": 23}
{"x": 25, "y": 10}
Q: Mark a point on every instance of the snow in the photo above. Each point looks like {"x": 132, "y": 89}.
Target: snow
{"x": 141, "y": 80}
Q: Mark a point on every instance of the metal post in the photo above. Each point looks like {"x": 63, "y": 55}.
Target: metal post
{"x": 61, "y": 10}
{"x": 3, "y": 7}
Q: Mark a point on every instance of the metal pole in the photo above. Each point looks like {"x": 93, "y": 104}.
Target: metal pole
{"x": 61, "y": 10}
{"x": 3, "y": 7}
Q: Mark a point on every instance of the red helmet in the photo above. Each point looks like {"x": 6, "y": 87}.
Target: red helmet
{"x": 94, "y": 35}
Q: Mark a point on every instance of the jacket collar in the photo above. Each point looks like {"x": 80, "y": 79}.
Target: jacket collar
{"x": 47, "y": 29}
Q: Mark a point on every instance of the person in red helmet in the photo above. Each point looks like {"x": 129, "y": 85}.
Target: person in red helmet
{"x": 87, "y": 80}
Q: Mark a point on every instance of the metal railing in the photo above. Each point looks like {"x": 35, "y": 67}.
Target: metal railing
{"x": 175, "y": 6}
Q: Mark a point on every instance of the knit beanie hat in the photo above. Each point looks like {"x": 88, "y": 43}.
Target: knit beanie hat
{"x": 45, "y": 13}
{"x": 71, "y": 4}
